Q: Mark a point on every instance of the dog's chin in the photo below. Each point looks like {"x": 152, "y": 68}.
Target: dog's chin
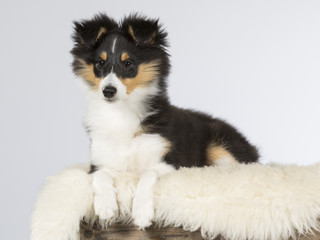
{"x": 111, "y": 100}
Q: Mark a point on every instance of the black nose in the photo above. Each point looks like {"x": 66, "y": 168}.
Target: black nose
{"x": 109, "y": 91}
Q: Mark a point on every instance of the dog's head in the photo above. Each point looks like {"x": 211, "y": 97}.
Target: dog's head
{"x": 116, "y": 60}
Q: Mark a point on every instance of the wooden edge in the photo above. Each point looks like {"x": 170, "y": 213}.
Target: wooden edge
{"x": 120, "y": 231}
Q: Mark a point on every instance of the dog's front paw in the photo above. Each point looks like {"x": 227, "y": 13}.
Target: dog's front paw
{"x": 106, "y": 207}
{"x": 142, "y": 211}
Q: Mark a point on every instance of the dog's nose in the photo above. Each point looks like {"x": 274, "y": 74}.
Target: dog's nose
{"x": 109, "y": 91}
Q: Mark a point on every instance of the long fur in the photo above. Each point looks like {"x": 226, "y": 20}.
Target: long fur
{"x": 130, "y": 120}
{"x": 65, "y": 199}
{"x": 140, "y": 104}
{"x": 239, "y": 202}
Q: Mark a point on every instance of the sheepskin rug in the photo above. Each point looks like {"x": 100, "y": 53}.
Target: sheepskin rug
{"x": 239, "y": 202}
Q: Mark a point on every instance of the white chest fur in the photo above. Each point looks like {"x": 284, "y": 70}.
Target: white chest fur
{"x": 115, "y": 145}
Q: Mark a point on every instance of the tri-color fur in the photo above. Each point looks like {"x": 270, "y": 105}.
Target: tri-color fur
{"x": 130, "y": 121}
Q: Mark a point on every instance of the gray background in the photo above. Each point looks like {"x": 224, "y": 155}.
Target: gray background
{"x": 253, "y": 63}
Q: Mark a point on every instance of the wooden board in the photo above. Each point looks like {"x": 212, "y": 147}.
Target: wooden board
{"x": 120, "y": 232}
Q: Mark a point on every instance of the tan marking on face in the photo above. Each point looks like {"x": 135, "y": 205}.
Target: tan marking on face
{"x": 104, "y": 56}
{"x": 101, "y": 32}
{"x": 87, "y": 73}
{"x": 146, "y": 73}
{"x": 130, "y": 30}
{"x": 218, "y": 155}
{"x": 124, "y": 56}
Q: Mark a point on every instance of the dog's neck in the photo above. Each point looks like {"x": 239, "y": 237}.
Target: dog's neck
{"x": 123, "y": 116}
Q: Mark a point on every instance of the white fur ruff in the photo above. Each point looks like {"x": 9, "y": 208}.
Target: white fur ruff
{"x": 239, "y": 202}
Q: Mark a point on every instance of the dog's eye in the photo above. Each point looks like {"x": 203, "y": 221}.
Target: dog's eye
{"x": 127, "y": 63}
{"x": 101, "y": 63}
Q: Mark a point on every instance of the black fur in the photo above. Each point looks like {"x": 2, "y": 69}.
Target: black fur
{"x": 88, "y": 49}
{"x": 144, "y": 29}
{"x": 86, "y": 31}
{"x": 190, "y": 133}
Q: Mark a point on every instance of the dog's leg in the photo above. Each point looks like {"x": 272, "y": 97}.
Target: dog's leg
{"x": 143, "y": 209}
{"x": 105, "y": 202}
{"x": 150, "y": 150}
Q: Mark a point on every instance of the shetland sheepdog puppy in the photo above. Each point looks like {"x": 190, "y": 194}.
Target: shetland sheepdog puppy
{"x": 130, "y": 121}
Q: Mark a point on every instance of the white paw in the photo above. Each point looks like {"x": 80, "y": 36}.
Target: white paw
{"x": 105, "y": 207}
{"x": 142, "y": 211}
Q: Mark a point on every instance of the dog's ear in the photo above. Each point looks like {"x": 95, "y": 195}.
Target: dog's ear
{"x": 89, "y": 33}
{"x": 143, "y": 31}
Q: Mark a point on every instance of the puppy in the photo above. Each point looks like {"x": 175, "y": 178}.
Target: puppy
{"x": 130, "y": 121}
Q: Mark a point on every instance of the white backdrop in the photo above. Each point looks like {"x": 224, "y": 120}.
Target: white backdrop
{"x": 254, "y": 63}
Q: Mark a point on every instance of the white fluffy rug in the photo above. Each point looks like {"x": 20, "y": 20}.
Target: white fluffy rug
{"x": 254, "y": 202}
